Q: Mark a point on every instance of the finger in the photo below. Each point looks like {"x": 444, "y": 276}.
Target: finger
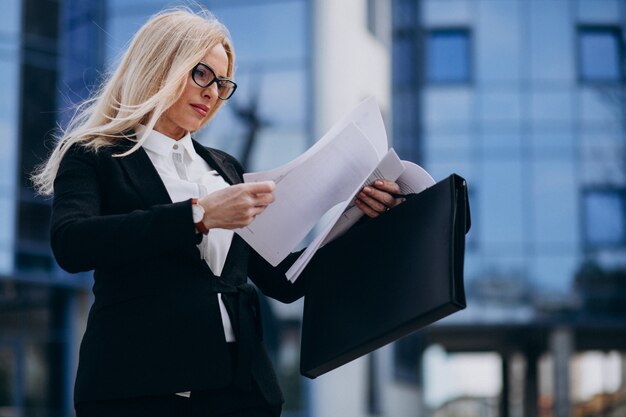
{"x": 387, "y": 185}
{"x": 260, "y": 187}
{"x": 368, "y": 211}
{"x": 381, "y": 197}
{"x": 263, "y": 200}
{"x": 372, "y": 203}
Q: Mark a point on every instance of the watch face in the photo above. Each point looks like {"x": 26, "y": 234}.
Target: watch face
{"x": 198, "y": 212}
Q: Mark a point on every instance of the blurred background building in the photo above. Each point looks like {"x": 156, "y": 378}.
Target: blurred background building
{"x": 523, "y": 98}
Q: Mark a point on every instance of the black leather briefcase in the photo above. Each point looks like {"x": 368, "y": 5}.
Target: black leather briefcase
{"x": 386, "y": 278}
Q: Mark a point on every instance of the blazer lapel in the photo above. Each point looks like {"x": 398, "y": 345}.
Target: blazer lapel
{"x": 146, "y": 180}
{"x": 144, "y": 177}
{"x": 218, "y": 162}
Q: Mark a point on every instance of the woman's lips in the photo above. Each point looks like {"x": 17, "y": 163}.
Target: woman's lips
{"x": 201, "y": 109}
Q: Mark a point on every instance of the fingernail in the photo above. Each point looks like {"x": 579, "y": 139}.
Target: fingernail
{"x": 378, "y": 183}
{"x": 367, "y": 189}
{"x": 362, "y": 195}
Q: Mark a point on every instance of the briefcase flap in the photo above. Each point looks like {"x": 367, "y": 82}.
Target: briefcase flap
{"x": 386, "y": 278}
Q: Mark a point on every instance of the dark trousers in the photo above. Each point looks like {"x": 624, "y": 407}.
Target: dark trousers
{"x": 224, "y": 402}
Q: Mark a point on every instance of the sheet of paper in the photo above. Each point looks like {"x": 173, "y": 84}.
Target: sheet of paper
{"x": 414, "y": 179}
{"x": 321, "y": 181}
{"x": 390, "y": 167}
{"x": 366, "y": 116}
{"x": 410, "y": 177}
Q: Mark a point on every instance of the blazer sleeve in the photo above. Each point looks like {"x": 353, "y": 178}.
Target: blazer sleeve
{"x": 83, "y": 239}
{"x": 272, "y": 280}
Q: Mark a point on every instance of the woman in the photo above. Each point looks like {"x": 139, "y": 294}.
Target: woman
{"x": 174, "y": 329}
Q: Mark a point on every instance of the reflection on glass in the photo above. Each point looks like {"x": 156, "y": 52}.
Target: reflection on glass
{"x": 604, "y": 212}
{"x": 448, "y": 56}
{"x": 10, "y": 21}
{"x": 257, "y": 40}
{"x": 600, "y": 54}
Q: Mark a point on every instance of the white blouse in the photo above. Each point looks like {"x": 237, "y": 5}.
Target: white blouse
{"x": 200, "y": 181}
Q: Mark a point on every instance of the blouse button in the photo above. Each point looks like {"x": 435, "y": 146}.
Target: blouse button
{"x": 176, "y": 146}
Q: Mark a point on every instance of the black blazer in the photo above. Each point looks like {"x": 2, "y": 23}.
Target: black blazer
{"x": 155, "y": 325}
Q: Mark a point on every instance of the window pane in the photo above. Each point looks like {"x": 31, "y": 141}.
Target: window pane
{"x": 600, "y": 54}
{"x": 550, "y": 35}
{"x": 447, "y": 58}
{"x": 498, "y": 40}
{"x": 448, "y": 107}
{"x": 448, "y": 12}
{"x": 604, "y": 217}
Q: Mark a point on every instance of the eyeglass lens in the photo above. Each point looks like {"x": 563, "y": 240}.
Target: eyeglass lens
{"x": 204, "y": 76}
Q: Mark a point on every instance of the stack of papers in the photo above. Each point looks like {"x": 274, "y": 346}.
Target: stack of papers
{"x": 324, "y": 180}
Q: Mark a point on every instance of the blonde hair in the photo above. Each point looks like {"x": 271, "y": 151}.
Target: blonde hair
{"x": 150, "y": 78}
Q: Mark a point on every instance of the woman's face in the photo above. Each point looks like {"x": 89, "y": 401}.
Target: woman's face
{"x": 191, "y": 110}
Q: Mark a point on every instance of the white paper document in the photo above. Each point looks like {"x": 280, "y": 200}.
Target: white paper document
{"x": 353, "y": 153}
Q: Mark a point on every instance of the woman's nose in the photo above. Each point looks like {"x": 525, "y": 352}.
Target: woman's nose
{"x": 211, "y": 91}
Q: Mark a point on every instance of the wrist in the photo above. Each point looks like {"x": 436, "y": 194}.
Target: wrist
{"x": 198, "y": 216}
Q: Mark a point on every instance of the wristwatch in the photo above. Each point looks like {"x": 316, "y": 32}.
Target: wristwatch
{"x": 198, "y": 214}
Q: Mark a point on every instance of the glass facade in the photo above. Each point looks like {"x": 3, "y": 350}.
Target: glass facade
{"x": 10, "y": 37}
{"x": 525, "y": 133}
{"x": 525, "y": 99}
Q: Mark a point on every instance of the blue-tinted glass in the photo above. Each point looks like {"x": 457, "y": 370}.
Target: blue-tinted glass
{"x": 10, "y": 21}
{"x": 502, "y": 204}
{"x": 7, "y": 208}
{"x": 552, "y": 142}
{"x": 447, "y": 58}
{"x": 604, "y": 217}
{"x": 503, "y": 141}
{"x": 551, "y": 105}
{"x": 453, "y": 146}
{"x": 404, "y": 13}
{"x": 282, "y": 41}
{"x": 549, "y": 36}
{"x": 599, "y": 11}
{"x": 448, "y": 107}
{"x": 553, "y": 209}
{"x": 600, "y": 55}
{"x": 497, "y": 107}
{"x": 404, "y": 66}
{"x": 498, "y": 40}
{"x": 291, "y": 142}
{"x": 552, "y": 273}
{"x": 596, "y": 110}
{"x": 447, "y": 12}
{"x": 10, "y": 24}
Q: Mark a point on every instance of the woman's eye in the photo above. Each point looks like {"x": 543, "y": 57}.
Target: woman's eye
{"x": 200, "y": 73}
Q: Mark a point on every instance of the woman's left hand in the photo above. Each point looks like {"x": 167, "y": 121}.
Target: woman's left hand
{"x": 378, "y": 197}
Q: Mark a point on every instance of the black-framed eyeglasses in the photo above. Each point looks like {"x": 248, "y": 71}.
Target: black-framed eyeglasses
{"x": 204, "y": 76}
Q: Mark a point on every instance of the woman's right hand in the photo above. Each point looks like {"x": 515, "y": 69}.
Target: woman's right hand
{"x": 236, "y": 206}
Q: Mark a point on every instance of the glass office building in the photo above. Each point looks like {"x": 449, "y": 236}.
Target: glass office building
{"x": 525, "y": 99}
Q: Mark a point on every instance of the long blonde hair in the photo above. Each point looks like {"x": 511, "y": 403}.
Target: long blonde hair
{"x": 150, "y": 78}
